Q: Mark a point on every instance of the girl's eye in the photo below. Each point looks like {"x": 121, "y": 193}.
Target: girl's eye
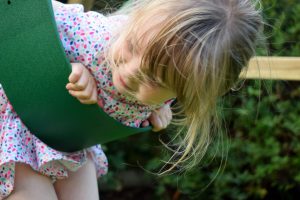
{"x": 120, "y": 61}
{"x": 130, "y": 46}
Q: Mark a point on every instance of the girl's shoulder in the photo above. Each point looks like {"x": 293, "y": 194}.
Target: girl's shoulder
{"x": 84, "y": 35}
{"x": 75, "y": 12}
{"x": 73, "y": 16}
{"x": 67, "y": 8}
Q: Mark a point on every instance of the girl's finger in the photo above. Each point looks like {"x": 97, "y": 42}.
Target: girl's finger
{"x": 157, "y": 126}
{"x": 92, "y": 100}
{"x": 70, "y": 86}
{"x": 88, "y": 101}
{"x": 76, "y": 73}
{"x": 80, "y": 95}
{"x": 170, "y": 115}
{"x": 75, "y": 87}
{"x": 89, "y": 90}
{"x": 167, "y": 113}
{"x": 86, "y": 93}
{"x": 164, "y": 122}
{"x": 84, "y": 79}
{"x": 145, "y": 123}
{"x": 94, "y": 95}
{"x": 156, "y": 122}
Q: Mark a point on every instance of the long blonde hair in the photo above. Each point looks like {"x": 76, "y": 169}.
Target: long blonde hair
{"x": 199, "y": 52}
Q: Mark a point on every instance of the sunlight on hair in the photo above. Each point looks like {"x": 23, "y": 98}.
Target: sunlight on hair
{"x": 199, "y": 51}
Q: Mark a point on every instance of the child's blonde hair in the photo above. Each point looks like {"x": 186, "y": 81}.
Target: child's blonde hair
{"x": 198, "y": 52}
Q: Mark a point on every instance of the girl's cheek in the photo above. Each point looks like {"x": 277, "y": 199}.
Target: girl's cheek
{"x": 146, "y": 98}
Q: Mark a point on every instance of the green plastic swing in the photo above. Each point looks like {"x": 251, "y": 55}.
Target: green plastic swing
{"x": 34, "y": 71}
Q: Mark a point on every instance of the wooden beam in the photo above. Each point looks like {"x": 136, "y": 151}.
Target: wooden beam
{"x": 276, "y": 68}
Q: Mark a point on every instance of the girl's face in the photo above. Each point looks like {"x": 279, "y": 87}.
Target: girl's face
{"x": 128, "y": 67}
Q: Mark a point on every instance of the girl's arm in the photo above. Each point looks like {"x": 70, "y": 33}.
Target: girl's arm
{"x": 83, "y": 87}
{"x": 82, "y": 84}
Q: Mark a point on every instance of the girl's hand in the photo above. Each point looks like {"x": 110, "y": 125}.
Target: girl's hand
{"x": 159, "y": 119}
{"x": 82, "y": 84}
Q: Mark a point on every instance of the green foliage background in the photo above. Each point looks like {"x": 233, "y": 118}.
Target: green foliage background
{"x": 263, "y": 128}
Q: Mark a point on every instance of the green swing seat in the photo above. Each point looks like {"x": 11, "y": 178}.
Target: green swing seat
{"x": 34, "y": 71}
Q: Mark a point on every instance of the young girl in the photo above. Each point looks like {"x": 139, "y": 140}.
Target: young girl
{"x": 133, "y": 65}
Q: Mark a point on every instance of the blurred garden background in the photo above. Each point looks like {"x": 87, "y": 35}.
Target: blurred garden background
{"x": 263, "y": 136}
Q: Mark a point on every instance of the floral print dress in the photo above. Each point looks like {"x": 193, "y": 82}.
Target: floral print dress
{"x": 84, "y": 37}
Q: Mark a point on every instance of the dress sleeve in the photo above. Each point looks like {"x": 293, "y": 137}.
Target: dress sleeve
{"x": 83, "y": 35}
